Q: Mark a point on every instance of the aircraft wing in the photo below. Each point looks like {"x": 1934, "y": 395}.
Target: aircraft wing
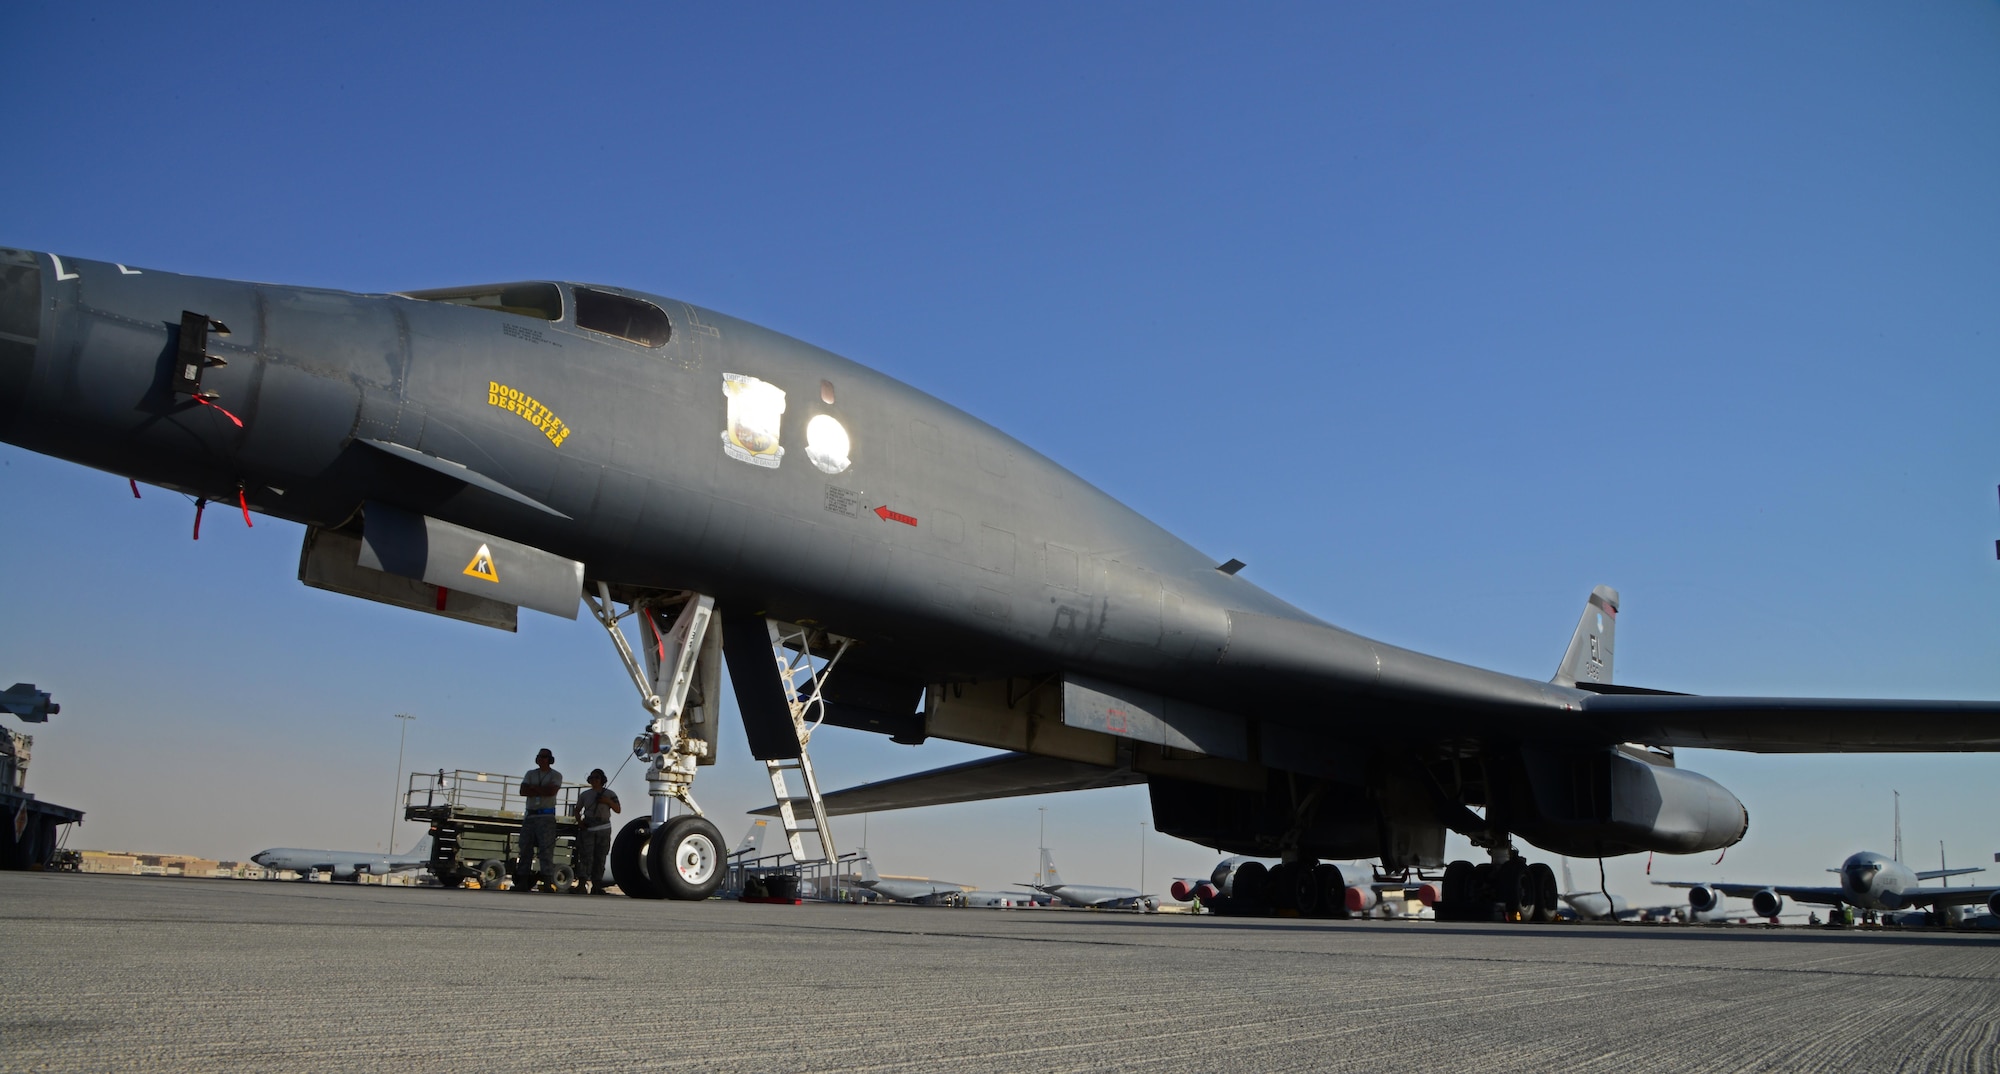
{"x": 1797, "y": 724}
{"x": 1005, "y": 776}
{"x": 1947, "y": 896}
{"x": 1827, "y": 896}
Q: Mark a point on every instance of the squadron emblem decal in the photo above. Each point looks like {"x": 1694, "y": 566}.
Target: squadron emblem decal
{"x": 750, "y": 433}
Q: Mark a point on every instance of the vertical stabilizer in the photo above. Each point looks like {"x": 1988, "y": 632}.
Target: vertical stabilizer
{"x": 1048, "y": 877}
{"x": 864, "y": 871}
{"x": 753, "y": 840}
{"x": 1589, "y": 657}
{"x": 422, "y": 851}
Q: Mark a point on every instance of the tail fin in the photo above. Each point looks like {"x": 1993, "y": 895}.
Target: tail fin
{"x": 1048, "y": 877}
{"x": 864, "y": 870}
{"x": 753, "y": 840}
{"x": 1589, "y": 657}
{"x": 1568, "y": 884}
{"x": 422, "y": 849}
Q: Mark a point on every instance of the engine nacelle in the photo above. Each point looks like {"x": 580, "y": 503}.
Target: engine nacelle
{"x": 1361, "y": 899}
{"x": 344, "y": 872}
{"x": 1767, "y": 903}
{"x": 1993, "y": 904}
{"x": 1182, "y": 891}
{"x": 1608, "y": 802}
{"x": 1703, "y": 900}
{"x": 1428, "y": 894}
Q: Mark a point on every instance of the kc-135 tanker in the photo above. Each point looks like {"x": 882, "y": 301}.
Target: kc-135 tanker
{"x": 863, "y": 555}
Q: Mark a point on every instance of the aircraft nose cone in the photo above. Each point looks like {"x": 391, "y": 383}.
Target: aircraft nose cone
{"x": 20, "y": 329}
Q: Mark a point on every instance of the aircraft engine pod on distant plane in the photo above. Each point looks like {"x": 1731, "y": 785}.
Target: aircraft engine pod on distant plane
{"x": 1993, "y": 904}
{"x": 1767, "y": 903}
{"x": 1704, "y": 899}
{"x": 473, "y": 451}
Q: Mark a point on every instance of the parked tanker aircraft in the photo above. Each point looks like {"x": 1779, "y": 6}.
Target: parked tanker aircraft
{"x": 1868, "y": 881}
{"x": 862, "y": 555}
{"x": 1600, "y": 905}
{"x": 909, "y": 889}
{"x": 344, "y": 864}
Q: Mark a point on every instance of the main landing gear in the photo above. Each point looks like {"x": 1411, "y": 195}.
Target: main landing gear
{"x": 1504, "y": 889}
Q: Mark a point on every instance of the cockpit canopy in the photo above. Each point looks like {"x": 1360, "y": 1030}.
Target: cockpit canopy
{"x": 631, "y": 319}
{"x": 543, "y": 300}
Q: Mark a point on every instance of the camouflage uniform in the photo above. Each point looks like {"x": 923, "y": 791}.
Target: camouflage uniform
{"x": 538, "y": 828}
{"x": 593, "y": 837}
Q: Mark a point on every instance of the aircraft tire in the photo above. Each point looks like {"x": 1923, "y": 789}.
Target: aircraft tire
{"x": 1305, "y": 889}
{"x": 1514, "y": 893}
{"x": 1281, "y": 890}
{"x": 1457, "y": 891}
{"x": 1480, "y": 906}
{"x": 1246, "y": 889}
{"x": 688, "y": 859}
{"x": 628, "y": 860}
{"x": 1547, "y": 894}
{"x": 489, "y": 874}
{"x": 1331, "y": 889}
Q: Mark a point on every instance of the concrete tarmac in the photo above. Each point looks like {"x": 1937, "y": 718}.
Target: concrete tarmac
{"x": 104, "y": 973}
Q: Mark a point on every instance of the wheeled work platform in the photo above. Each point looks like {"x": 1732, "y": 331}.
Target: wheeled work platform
{"x": 475, "y": 820}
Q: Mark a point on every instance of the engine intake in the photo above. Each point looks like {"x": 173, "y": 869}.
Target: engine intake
{"x": 1767, "y": 903}
{"x": 1702, "y": 900}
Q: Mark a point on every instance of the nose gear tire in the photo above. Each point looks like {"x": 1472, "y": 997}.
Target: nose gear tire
{"x": 628, "y": 860}
{"x": 686, "y": 860}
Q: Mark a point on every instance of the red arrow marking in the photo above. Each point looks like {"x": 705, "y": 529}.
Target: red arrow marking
{"x": 887, "y": 515}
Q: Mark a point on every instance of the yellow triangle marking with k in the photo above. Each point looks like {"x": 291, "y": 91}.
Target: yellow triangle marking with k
{"x": 482, "y": 565}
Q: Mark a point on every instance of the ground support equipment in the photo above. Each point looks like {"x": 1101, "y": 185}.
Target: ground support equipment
{"x": 475, "y": 820}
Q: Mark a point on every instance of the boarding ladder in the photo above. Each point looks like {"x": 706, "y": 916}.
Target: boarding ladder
{"x": 804, "y": 676}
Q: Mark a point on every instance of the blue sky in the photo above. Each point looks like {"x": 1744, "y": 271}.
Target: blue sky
{"x": 1436, "y": 317}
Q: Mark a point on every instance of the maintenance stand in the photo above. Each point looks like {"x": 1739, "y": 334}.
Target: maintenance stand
{"x": 475, "y": 820}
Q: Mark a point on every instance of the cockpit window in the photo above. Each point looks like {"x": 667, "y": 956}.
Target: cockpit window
{"x": 543, "y": 300}
{"x": 627, "y": 318}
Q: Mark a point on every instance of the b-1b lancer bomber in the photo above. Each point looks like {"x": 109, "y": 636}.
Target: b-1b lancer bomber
{"x": 866, "y": 556}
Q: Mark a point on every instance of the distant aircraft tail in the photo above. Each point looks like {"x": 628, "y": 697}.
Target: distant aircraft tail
{"x": 864, "y": 870}
{"x": 753, "y": 840}
{"x": 1048, "y": 877}
{"x": 1589, "y": 657}
{"x": 422, "y": 849}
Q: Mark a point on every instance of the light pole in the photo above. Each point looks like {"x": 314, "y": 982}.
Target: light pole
{"x": 396, "y": 792}
{"x": 1142, "y": 857}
